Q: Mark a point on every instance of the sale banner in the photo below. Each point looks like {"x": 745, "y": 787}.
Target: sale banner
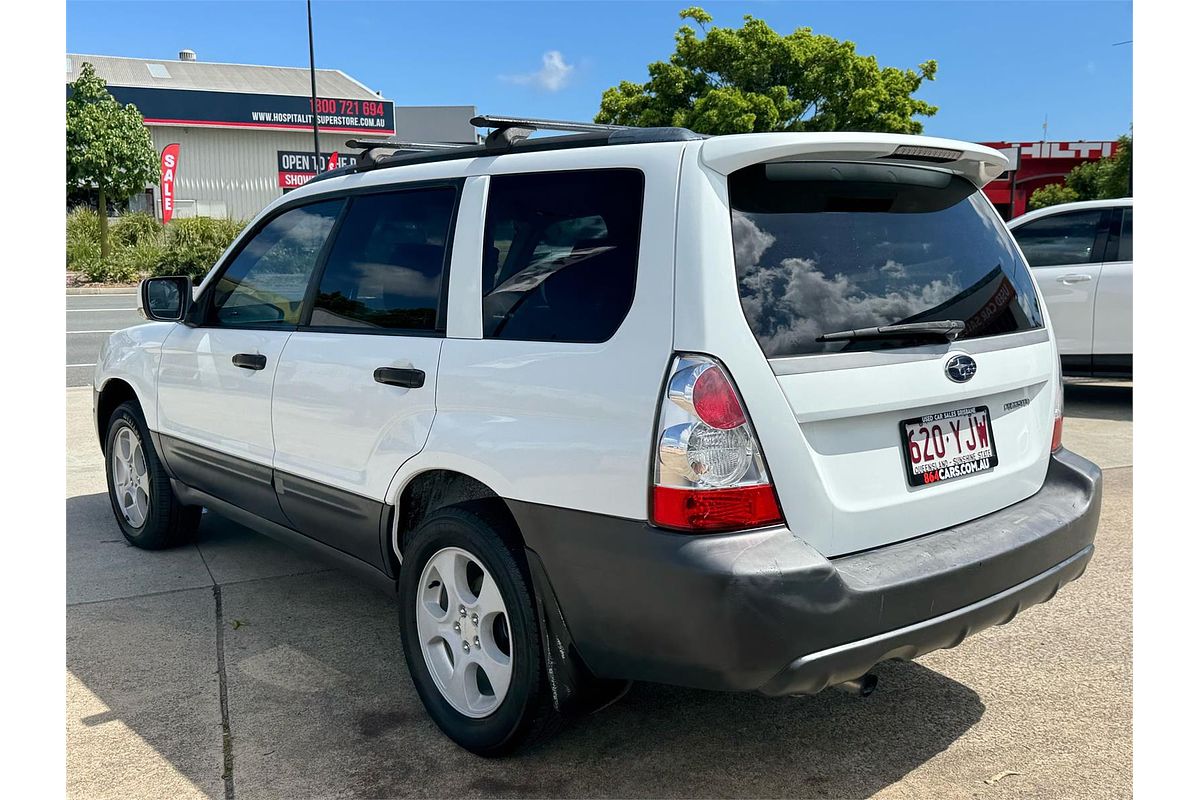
{"x": 166, "y": 186}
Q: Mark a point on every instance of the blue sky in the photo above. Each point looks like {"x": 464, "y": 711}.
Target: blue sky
{"x": 1002, "y": 66}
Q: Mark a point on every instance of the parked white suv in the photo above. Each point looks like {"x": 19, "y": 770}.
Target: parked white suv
{"x": 1082, "y": 258}
{"x": 747, "y": 413}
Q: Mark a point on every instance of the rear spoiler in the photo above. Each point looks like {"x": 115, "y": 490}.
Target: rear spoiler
{"x": 976, "y": 163}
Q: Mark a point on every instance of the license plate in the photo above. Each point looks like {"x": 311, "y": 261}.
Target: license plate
{"x": 948, "y": 445}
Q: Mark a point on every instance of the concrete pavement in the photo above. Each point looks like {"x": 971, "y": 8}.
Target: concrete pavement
{"x": 236, "y": 667}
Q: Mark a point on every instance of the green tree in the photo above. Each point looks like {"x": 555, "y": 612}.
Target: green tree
{"x": 748, "y": 79}
{"x": 1092, "y": 180}
{"x": 1052, "y": 195}
{"x": 108, "y": 146}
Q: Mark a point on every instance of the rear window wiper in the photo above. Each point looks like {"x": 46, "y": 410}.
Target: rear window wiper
{"x": 947, "y": 329}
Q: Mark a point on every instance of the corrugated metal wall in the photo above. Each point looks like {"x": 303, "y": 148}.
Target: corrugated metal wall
{"x": 228, "y": 172}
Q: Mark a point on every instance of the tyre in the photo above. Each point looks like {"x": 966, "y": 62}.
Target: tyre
{"x": 471, "y": 638}
{"x": 149, "y": 514}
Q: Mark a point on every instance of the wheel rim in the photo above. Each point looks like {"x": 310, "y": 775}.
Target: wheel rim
{"x": 131, "y": 480}
{"x": 464, "y": 633}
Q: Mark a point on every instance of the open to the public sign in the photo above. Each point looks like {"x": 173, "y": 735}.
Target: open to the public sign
{"x": 297, "y": 168}
{"x": 951, "y": 444}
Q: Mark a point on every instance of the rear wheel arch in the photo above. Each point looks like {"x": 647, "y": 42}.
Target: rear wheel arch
{"x": 428, "y": 491}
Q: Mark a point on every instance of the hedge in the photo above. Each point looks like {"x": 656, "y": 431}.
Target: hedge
{"x": 141, "y": 246}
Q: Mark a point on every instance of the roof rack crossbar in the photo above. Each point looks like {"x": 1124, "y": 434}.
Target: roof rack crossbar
{"x": 507, "y": 131}
{"x": 501, "y": 122}
{"x": 374, "y": 144}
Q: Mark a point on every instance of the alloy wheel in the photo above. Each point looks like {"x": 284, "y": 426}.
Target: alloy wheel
{"x": 464, "y": 632}
{"x": 131, "y": 480}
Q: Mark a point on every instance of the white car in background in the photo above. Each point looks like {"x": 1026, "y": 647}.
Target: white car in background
{"x": 1082, "y": 259}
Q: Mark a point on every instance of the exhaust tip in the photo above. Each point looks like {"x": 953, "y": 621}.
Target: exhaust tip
{"x": 863, "y": 687}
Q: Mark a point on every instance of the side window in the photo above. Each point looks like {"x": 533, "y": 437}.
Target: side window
{"x": 1125, "y": 249}
{"x": 560, "y": 254}
{"x": 1060, "y": 239}
{"x": 385, "y": 267}
{"x": 268, "y": 278}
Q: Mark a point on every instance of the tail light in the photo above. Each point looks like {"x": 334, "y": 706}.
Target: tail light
{"x": 1056, "y": 436}
{"x": 709, "y": 473}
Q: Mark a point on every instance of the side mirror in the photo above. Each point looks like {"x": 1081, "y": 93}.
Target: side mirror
{"x": 165, "y": 299}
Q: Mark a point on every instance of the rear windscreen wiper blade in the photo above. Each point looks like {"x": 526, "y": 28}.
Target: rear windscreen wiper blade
{"x": 947, "y": 329}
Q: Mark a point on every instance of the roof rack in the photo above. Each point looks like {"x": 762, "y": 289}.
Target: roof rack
{"x": 507, "y": 131}
{"x": 388, "y": 148}
{"x": 372, "y": 144}
{"x": 509, "y": 134}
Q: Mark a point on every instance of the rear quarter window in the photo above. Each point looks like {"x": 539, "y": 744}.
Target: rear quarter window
{"x": 822, "y": 248}
{"x": 560, "y": 254}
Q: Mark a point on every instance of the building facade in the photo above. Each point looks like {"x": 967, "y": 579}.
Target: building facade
{"x": 245, "y": 132}
{"x": 1038, "y": 164}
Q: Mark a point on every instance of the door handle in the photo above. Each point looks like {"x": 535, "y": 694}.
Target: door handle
{"x": 1074, "y": 278}
{"x": 406, "y": 377}
{"x": 250, "y": 361}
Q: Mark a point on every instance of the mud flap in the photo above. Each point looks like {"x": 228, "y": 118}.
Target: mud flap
{"x": 575, "y": 689}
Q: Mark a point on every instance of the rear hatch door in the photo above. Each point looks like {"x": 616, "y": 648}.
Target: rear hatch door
{"x": 901, "y": 432}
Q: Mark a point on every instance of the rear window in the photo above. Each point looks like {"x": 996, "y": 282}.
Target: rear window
{"x": 822, "y": 248}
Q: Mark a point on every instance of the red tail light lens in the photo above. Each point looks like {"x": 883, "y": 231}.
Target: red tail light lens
{"x": 715, "y": 510}
{"x": 715, "y": 401}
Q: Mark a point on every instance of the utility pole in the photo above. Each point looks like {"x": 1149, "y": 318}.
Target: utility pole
{"x": 312, "y": 74}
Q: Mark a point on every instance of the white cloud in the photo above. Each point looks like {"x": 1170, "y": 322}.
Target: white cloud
{"x": 553, "y": 76}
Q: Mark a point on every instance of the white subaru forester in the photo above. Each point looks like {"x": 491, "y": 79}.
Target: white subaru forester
{"x": 746, "y": 413}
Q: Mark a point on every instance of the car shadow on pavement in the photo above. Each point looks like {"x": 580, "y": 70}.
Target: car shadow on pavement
{"x": 319, "y": 703}
{"x": 1091, "y": 399}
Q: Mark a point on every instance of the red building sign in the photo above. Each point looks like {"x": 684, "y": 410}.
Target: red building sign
{"x": 1039, "y": 164}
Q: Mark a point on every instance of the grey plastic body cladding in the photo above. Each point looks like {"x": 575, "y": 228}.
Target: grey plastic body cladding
{"x": 753, "y": 611}
{"x": 348, "y": 524}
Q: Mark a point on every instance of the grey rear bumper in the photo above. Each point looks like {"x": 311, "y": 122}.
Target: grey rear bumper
{"x": 763, "y": 611}
{"x": 811, "y": 673}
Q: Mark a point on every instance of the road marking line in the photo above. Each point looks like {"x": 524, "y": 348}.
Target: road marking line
{"x": 82, "y": 365}
{"x": 69, "y": 310}
{"x": 70, "y": 332}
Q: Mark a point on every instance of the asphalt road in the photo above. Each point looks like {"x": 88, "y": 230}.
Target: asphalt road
{"x": 90, "y": 320}
{"x": 238, "y": 668}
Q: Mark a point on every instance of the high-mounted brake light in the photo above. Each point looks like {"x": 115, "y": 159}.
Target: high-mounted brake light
{"x": 709, "y": 473}
{"x": 923, "y": 153}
